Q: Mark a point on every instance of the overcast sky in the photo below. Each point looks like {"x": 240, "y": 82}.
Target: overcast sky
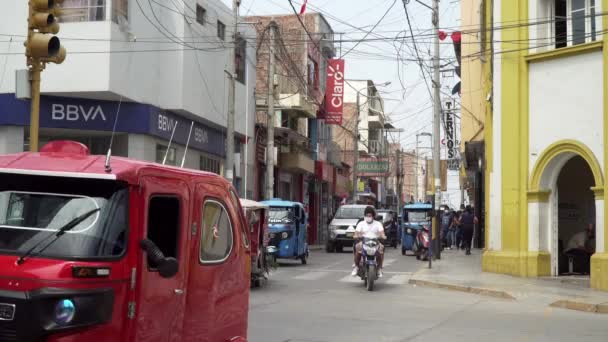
{"x": 407, "y": 100}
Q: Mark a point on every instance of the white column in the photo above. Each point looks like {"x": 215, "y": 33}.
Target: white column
{"x": 534, "y": 226}
{"x": 599, "y": 226}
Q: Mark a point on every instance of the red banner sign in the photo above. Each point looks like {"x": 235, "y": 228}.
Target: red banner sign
{"x": 334, "y": 94}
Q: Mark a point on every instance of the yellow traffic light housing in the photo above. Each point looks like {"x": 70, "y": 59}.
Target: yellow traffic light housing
{"x": 42, "y": 21}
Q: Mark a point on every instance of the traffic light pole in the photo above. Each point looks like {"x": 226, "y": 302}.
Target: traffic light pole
{"x": 35, "y": 71}
{"x": 41, "y": 48}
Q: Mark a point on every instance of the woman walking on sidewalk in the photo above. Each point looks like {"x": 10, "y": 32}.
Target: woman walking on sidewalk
{"x": 469, "y": 220}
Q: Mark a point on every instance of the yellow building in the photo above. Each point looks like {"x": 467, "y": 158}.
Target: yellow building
{"x": 475, "y": 88}
{"x": 545, "y": 138}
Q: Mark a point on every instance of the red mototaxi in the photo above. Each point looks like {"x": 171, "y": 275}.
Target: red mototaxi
{"x": 162, "y": 255}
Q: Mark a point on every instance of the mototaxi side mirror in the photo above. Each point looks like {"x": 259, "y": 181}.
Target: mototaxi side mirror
{"x": 167, "y": 267}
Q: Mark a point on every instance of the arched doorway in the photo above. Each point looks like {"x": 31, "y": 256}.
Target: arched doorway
{"x": 565, "y": 185}
{"x": 575, "y": 220}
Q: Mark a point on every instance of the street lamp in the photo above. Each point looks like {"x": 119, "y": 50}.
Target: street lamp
{"x": 356, "y": 139}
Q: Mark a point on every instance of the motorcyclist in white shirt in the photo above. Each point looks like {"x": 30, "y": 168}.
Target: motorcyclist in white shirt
{"x": 371, "y": 229}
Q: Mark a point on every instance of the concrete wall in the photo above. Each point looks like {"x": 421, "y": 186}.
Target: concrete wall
{"x": 169, "y": 79}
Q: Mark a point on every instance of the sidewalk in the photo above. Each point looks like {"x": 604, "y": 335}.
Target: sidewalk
{"x": 459, "y": 272}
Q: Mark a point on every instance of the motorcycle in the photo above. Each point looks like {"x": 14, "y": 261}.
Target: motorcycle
{"x": 422, "y": 244}
{"x": 368, "y": 265}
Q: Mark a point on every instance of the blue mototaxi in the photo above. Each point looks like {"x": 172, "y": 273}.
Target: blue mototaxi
{"x": 288, "y": 228}
{"x": 415, "y": 216}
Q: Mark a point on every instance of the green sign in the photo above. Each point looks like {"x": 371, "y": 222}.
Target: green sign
{"x": 373, "y": 166}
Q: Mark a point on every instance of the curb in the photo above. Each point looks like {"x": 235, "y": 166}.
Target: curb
{"x": 581, "y": 306}
{"x": 461, "y": 288}
{"x": 316, "y": 248}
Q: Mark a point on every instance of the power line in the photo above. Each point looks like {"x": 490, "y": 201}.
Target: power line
{"x": 372, "y": 29}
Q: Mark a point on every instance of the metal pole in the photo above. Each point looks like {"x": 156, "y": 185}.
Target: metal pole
{"x": 356, "y": 151}
{"x": 436, "y": 122}
{"x": 416, "y": 172}
{"x": 35, "y": 105}
{"x": 229, "y": 169}
{"x": 270, "y": 130}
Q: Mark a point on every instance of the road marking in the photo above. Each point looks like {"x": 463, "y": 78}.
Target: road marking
{"x": 398, "y": 279}
{"x": 311, "y": 275}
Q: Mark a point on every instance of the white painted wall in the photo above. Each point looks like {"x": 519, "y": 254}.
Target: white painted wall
{"x": 495, "y": 190}
{"x": 566, "y": 102}
{"x": 169, "y": 79}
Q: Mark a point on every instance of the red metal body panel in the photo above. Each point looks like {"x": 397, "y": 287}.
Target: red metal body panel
{"x": 215, "y": 299}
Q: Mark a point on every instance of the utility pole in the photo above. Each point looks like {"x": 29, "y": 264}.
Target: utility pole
{"x": 270, "y": 125}
{"x": 399, "y": 187}
{"x": 229, "y": 169}
{"x": 356, "y": 151}
{"x": 436, "y": 129}
{"x": 416, "y": 172}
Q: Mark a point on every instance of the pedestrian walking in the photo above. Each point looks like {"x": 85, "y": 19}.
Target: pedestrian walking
{"x": 458, "y": 229}
{"x": 468, "y": 220}
{"x": 452, "y": 229}
{"x": 445, "y": 226}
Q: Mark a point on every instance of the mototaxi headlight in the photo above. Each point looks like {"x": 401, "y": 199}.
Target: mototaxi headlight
{"x": 409, "y": 230}
{"x": 64, "y": 312}
{"x": 284, "y": 235}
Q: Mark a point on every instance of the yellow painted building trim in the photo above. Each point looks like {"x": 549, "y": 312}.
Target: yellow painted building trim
{"x": 598, "y": 192}
{"x": 565, "y": 52}
{"x": 538, "y": 196}
{"x": 605, "y": 64}
{"x": 514, "y": 126}
{"x": 535, "y": 264}
{"x": 599, "y": 271}
{"x": 565, "y": 146}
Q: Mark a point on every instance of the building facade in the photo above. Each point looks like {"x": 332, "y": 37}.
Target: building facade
{"x": 305, "y": 163}
{"x": 546, "y": 140}
{"x": 475, "y": 92}
{"x": 151, "y": 72}
{"x": 372, "y": 143}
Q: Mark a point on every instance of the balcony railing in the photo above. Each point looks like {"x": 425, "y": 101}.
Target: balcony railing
{"x": 376, "y": 147}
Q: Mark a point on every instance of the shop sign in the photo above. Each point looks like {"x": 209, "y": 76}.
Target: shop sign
{"x": 334, "y": 93}
{"x": 97, "y": 115}
{"x": 373, "y": 167}
{"x": 202, "y": 138}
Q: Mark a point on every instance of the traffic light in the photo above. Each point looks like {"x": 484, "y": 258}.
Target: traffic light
{"x": 41, "y": 44}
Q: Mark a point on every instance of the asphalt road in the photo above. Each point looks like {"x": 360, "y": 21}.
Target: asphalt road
{"x": 321, "y": 302}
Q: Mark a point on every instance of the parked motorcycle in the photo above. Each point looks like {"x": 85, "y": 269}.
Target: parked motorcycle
{"x": 368, "y": 265}
{"x": 422, "y": 243}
